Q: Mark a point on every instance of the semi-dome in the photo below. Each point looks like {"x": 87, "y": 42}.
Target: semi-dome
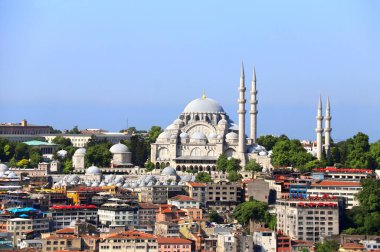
{"x": 164, "y": 135}
{"x": 62, "y": 153}
{"x": 232, "y": 136}
{"x": 93, "y": 170}
{"x": 80, "y": 151}
{"x": 184, "y": 135}
{"x": 119, "y": 148}
{"x": 212, "y": 136}
{"x": 3, "y": 168}
{"x": 169, "y": 171}
{"x": 203, "y": 105}
{"x": 198, "y": 136}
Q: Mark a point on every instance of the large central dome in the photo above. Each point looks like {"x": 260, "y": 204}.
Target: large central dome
{"x": 203, "y": 105}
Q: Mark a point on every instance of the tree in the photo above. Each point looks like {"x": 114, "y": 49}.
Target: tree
{"x": 21, "y": 151}
{"x": 203, "y": 177}
{"x": 98, "y": 155}
{"x": 290, "y": 153}
{"x": 149, "y": 166}
{"x": 233, "y": 165}
{"x": 234, "y": 176}
{"x": 269, "y": 141}
{"x": 251, "y": 210}
{"x": 213, "y": 216}
{"x": 309, "y": 166}
{"x": 221, "y": 163}
{"x": 35, "y": 157}
{"x": 327, "y": 246}
{"x": 153, "y": 133}
{"x": 23, "y": 163}
{"x": 253, "y": 166}
{"x": 62, "y": 142}
{"x": 374, "y": 152}
{"x": 74, "y": 130}
{"x": 55, "y": 131}
{"x": 68, "y": 166}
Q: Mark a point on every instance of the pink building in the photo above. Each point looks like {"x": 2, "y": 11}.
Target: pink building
{"x": 173, "y": 244}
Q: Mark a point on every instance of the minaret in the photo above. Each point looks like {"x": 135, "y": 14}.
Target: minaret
{"x": 241, "y": 115}
{"x": 253, "y": 112}
{"x": 327, "y": 129}
{"x": 319, "y": 129}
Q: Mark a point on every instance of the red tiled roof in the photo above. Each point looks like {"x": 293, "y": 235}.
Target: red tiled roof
{"x": 182, "y": 198}
{"x": 352, "y": 246}
{"x": 336, "y": 183}
{"x": 67, "y": 237}
{"x": 67, "y": 230}
{"x": 172, "y": 240}
{"x": 148, "y": 205}
{"x": 197, "y": 184}
{"x": 131, "y": 234}
{"x": 264, "y": 230}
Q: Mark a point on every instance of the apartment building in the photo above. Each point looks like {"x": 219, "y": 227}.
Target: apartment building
{"x": 159, "y": 194}
{"x": 147, "y": 216}
{"x": 197, "y": 191}
{"x": 173, "y": 244}
{"x": 130, "y": 240}
{"x": 119, "y": 214}
{"x": 264, "y": 240}
{"x": 183, "y": 201}
{"x": 223, "y": 195}
{"x": 63, "y": 216}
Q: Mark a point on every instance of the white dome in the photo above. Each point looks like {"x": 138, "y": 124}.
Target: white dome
{"x": 234, "y": 126}
{"x": 263, "y": 153}
{"x": 203, "y": 105}
{"x": 232, "y": 136}
{"x": 198, "y": 136}
{"x": 170, "y": 127}
{"x": 184, "y": 135}
{"x": 219, "y": 137}
{"x": 12, "y": 175}
{"x": 223, "y": 121}
{"x": 93, "y": 170}
{"x": 212, "y": 135}
{"x": 173, "y": 136}
{"x": 80, "y": 151}
{"x": 119, "y": 148}
{"x": 178, "y": 121}
{"x": 169, "y": 171}
{"x": 3, "y": 168}
{"x": 164, "y": 135}
{"x": 62, "y": 153}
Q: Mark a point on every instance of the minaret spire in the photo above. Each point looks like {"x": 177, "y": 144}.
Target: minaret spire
{"x": 241, "y": 115}
{"x": 253, "y": 112}
{"x": 319, "y": 129}
{"x": 327, "y": 129}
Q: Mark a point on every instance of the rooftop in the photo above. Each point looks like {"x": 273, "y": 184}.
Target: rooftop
{"x": 131, "y": 234}
{"x": 173, "y": 240}
{"x": 336, "y": 183}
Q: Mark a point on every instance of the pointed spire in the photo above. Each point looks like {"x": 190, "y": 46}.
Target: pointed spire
{"x": 204, "y": 95}
{"x": 320, "y": 103}
{"x": 242, "y": 70}
{"x": 254, "y": 74}
{"x": 328, "y": 103}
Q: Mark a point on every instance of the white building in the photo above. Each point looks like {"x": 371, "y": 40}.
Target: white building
{"x": 204, "y": 131}
{"x": 182, "y": 201}
{"x": 234, "y": 241}
{"x": 119, "y": 214}
{"x": 64, "y": 216}
{"x": 264, "y": 240}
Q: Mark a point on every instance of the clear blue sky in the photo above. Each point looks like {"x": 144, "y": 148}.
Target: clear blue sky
{"x": 96, "y": 63}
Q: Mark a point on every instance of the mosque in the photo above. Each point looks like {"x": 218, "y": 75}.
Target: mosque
{"x": 204, "y": 131}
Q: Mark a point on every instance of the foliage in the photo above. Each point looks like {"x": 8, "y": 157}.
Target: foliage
{"x": 21, "y": 151}
{"x": 149, "y": 166}
{"x": 153, "y": 133}
{"x": 290, "y": 153}
{"x": 35, "y": 157}
{"x": 327, "y": 246}
{"x": 55, "y": 131}
{"x": 203, "y": 177}
{"x": 269, "y": 141}
{"x": 364, "y": 218}
{"x": 98, "y": 155}
{"x": 233, "y": 165}
{"x": 234, "y": 176}
{"x": 251, "y": 210}
{"x": 213, "y": 216}
{"x": 74, "y": 130}
{"x": 139, "y": 148}
{"x": 221, "y": 163}
{"x": 23, "y": 163}
{"x": 309, "y": 166}
{"x": 68, "y": 166}
{"x": 253, "y": 166}
{"x": 62, "y": 142}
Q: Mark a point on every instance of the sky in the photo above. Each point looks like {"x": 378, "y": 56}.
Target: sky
{"x": 112, "y": 64}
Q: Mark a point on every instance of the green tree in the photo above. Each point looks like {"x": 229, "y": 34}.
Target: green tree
{"x": 269, "y": 141}
{"x": 203, "y": 177}
{"x": 253, "y": 166}
{"x": 21, "y": 151}
{"x": 309, "y": 166}
{"x": 98, "y": 155}
{"x": 68, "y": 166}
{"x": 62, "y": 142}
{"x": 233, "y": 165}
{"x": 153, "y": 133}
{"x": 234, "y": 176}
{"x": 23, "y": 163}
{"x": 290, "y": 153}
{"x": 213, "y": 216}
{"x": 374, "y": 152}
{"x": 221, "y": 163}
{"x": 251, "y": 210}
{"x": 74, "y": 130}
{"x": 327, "y": 246}
{"x": 35, "y": 157}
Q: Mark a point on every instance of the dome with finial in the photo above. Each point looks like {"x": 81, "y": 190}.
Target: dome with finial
{"x": 203, "y": 105}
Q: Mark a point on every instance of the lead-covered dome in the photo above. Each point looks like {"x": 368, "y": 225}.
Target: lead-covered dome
{"x": 93, "y": 170}
{"x": 203, "y": 105}
{"x": 119, "y": 148}
{"x": 3, "y": 168}
{"x": 198, "y": 136}
{"x": 232, "y": 136}
{"x": 169, "y": 171}
{"x": 80, "y": 151}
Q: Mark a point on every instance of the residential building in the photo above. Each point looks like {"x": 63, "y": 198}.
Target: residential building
{"x": 234, "y": 241}
{"x": 343, "y": 174}
{"x": 169, "y": 213}
{"x": 64, "y": 216}
{"x": 197, "y": 191}
{"x": 173, "y": 244}
{"x": 147, "y": 216}
{"x": 260, "y": 190}
{"x": 119, "y": 214}
{"x": 264, "y": 240}
{"x": 23, "y": 128}
{"x": 19, "y": 228}
{"x": 183, "y": 201}
{"x": 194, "y": 213}
{"x": 131, "y": 240}
{"x": 166, "y": 229}
{"x": 159, "y": 194}
{"x": 223, "y": 195}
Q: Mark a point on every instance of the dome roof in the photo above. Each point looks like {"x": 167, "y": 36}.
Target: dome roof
{"x": 222, "y": 122}
{"x": 203, "y": 105}
{"x": 170, "y": 127}
{"x": 62, "y": 153}
{"x": 164, "y": 135}
{"x": 184, "y": 135}
{"x": 178, "y": 121}
{"x": 173, "y": 136}
{"x": 119, "y": 148}
{"x": 231, "y": 136}
{"x": 212, "y": 135}
{"x": 198, "y": 136}
{"x": 93, "y": 170}
{"x": 12, "y": 175}
{"x": 3, "y": 168}
{"x": 80, "y": 151}
{"x": 169, "y": 171}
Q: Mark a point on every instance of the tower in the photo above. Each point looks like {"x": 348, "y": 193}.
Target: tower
{"x": 253, "y": 112}
{"x": 327, "y": 129}
{"x": 319, "y": 129}
{"x": 241, "y": 115}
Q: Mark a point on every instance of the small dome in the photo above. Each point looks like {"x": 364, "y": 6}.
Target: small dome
{"x": 184, "y": 135}
{"x": 171, "y": 126}
{"x": 203, "y": 105}
{"x": 263, "y": 153}
{"x": 80, "y": 151}
{"x": 62, "y": 153}
{"x": 222, "y": 122}
{"x": 178, "y": 121}
{"x": 164, "y": 135}
{"x": 198, "y": 136}
{"x": 93, "y": 170}
{"x": 212, "y": 136}
{"x": 219, "y": 137}
{"x": 12, "y": 175}
{"x": 3, "y": 168}
{"x": 233, "y": 126}
{"x": 232, "y": 136}
{"x": 119, "y": 148}
{"x": 173, "y": 137}
{"x": 168, "y": 171}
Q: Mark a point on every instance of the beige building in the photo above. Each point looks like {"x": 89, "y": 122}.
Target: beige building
{"x": 308, "y": 220}
{"x": 223, "y": 195}
{"x": 23, "y": 128}
{"x": 131, "y": 240}
{"x": 204, "y": 131}
{"x": 197, "y": 191}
